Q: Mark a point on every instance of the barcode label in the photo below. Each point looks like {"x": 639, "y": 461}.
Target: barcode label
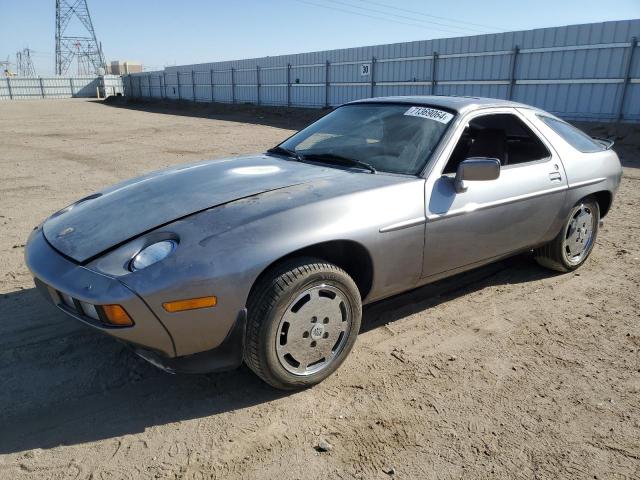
{"x": 430, "y": 113}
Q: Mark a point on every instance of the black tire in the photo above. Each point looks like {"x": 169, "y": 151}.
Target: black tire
{"x": 555, "y": 255}
{"x": 270, "y": 300}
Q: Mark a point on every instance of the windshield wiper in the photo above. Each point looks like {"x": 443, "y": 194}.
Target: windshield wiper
{"x": 285, "y": 151}
{"x": 338, "y": 159}
{"x": 322, "y": 157}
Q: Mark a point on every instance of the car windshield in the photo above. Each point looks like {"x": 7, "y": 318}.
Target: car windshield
{"x": 386, "y": 137}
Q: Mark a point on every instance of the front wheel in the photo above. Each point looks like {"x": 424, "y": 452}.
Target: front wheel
{"x": 303, "y": 321}
{"x": 572, "y": 246}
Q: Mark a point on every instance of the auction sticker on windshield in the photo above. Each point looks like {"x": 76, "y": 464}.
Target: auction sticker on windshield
{"x": 430, "y": 113}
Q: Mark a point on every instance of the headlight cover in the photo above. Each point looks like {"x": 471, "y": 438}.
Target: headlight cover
{"x": 152, "y": 254}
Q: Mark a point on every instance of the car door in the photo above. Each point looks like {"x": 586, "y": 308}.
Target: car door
{"x": 496, "y": 217}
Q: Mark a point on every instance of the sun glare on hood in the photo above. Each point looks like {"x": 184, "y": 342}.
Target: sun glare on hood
{"x": 257, "y": 170}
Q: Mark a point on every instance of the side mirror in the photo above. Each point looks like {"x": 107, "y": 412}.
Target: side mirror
{"x": 476, "y": 169}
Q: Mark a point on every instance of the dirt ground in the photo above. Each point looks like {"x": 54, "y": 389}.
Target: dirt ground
{"x": 509, "y": 371}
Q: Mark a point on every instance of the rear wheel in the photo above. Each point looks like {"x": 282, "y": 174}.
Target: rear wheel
{"x": 573, "y": 245}
{"x": 303, "y": 321}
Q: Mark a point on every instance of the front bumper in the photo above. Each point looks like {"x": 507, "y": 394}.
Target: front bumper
{"x": 55, "y": 275}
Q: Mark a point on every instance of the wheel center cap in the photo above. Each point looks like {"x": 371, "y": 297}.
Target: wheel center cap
{"x": 317, "y": 331}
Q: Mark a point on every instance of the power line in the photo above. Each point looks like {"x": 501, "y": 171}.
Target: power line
{"x": 394, "y": 7}
{"x": 429, "y": 22}
{"x": 422, "y": 27}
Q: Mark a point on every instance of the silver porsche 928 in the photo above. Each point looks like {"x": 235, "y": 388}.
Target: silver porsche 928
{"x": 268, "y": 258}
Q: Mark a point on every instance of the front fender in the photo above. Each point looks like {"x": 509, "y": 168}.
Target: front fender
{"x": 222, "y": 251}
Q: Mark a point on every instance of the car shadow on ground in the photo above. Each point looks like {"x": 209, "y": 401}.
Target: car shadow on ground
{"x": 278, "y": 117}
{"x": 64, "y": 384}
{"x": 514, "y": 270}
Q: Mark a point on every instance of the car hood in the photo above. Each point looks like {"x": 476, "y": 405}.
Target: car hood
{"x": 106, "y": 219}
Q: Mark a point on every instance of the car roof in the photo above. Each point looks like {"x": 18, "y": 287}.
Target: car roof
{"x": 459, "y": 104}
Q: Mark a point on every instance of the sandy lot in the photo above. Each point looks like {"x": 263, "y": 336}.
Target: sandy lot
{"x": 509, "y": 371}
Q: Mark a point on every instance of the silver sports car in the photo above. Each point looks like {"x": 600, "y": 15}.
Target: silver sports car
{"x": 268, "y": 258}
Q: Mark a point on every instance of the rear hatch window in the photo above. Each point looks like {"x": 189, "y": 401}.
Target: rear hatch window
{"x": 573, "y": 136}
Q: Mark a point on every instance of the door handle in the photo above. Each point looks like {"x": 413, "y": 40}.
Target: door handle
{"x": 555, "y": 177}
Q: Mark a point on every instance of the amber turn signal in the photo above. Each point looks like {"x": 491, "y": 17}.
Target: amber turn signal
{"x": 116, "y": 315}
{"x": 190, "y": 304}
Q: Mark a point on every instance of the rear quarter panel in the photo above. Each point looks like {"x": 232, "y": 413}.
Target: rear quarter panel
{"x": 587, "y": 173}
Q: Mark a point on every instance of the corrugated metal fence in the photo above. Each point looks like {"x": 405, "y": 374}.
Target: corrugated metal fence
{"x": 23, "y": 88}
{"x": 580, "y": 72}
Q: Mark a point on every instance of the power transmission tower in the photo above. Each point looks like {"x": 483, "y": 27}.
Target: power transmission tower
{"x": 25, "y": 63}
{"x": 83, "y": 46}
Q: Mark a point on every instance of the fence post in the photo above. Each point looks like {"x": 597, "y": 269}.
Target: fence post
{"x": 288, "y": 84}
{"x": 71, "y": 85}
{"x": 434, "y": 72}
{"x": 41, "y": 87}
{"x": 211, "y": 82}
{"x": 193, "y": 84}
{"x": 233, "y": 85}
{"x": 326, "y": 84}
{"x": 512, "y": 74}
{"x": 160, "y": 86}
{"x": 258, "y": 82}
{"x": 9, "y": 87}
{"x": 373, "y": 72}
{"x": 627, "y": 78}
{"x": 178, "y": 80}
{"x": 164, "y": 84}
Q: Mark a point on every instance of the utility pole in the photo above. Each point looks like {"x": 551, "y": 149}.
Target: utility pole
{"x": 83, "y": 45}
{"x": 5, "y": 66}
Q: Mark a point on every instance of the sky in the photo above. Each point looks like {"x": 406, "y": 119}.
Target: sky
{"x": 162, "y": 32}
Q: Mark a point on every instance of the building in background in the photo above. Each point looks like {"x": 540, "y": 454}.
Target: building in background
{"x": 124, "y": 67}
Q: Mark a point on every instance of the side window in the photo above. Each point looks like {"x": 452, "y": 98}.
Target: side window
{"x": 503, "y": 136}
{"x": 574, "y": 137}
